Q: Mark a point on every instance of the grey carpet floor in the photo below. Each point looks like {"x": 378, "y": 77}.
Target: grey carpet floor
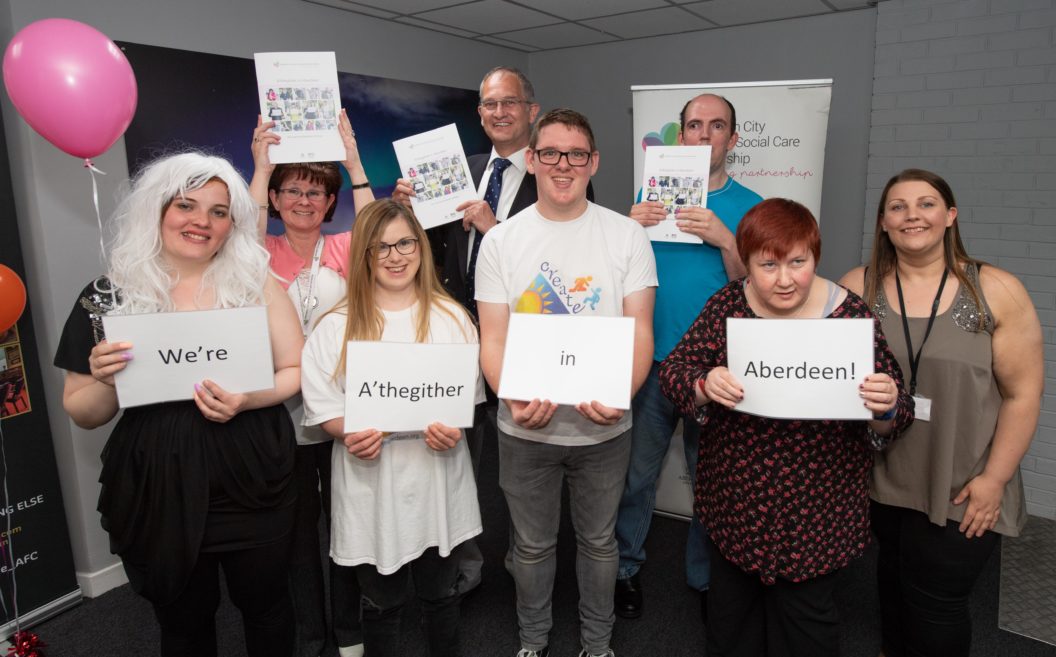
{"x": 120, "y": 624}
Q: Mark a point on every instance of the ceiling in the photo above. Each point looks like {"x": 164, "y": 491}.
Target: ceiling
{"x": 535, "y": 25}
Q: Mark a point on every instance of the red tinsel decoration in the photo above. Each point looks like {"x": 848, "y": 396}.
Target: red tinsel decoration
{"x": 26, "y": 644}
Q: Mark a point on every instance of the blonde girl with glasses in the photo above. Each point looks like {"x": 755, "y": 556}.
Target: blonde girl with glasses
{"x": 401, "y": 502}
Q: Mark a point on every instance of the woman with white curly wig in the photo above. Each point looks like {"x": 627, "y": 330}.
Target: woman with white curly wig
{"x": 190, "y": 487}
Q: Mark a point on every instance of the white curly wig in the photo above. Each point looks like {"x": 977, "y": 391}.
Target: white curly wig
{"x": 239, "y": 269}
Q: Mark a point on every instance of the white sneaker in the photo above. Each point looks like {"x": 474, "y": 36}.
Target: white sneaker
{"x": 351, "y": 651}
{"x": 524, "y": 652}
{"x": 607, "y": 653}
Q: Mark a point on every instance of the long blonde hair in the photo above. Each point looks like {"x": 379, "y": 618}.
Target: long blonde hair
{"x": 884, "y": 258}
{"x": 364, "y": 320}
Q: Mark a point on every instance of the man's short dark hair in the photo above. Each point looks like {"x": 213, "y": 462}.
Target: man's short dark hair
{"x": 733, "y": 112}
{"x": 526, "y": 84}
{"x": 569, "y": 118}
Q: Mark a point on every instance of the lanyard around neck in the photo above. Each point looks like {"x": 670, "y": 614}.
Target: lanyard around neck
{"x": 307, "y": 301}
{"x": 914, "y": 360}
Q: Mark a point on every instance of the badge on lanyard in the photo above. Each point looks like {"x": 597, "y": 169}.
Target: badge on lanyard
{"x": 923, "y": 404}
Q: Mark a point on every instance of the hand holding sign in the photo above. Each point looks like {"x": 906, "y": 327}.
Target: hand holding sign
{"x": 880, "y": 393}
{"x": 599, "y": 413}
{"x": 217, "y": 404}
{"x": 705, "y": 224}
{"x": 648, "y": 213}
{"x": 106, "y": 359}
{"x": 535, "y": 414}
{"x": 722, "y": 387}
{"x": 364, "y": 444}
{"x": 441, "y": 437}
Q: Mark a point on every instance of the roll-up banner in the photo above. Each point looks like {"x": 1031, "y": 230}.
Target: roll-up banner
{"x": 780, "y": 151}
{"x": 37, "y": 577}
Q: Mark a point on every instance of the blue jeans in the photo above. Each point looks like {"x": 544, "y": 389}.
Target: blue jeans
{"x": 530, "y": 474}
{"x": 655, "y": 419}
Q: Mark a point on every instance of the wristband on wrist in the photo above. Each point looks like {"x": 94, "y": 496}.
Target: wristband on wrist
{"x": 362, "y": 185}
{"x": 886, "y": 416}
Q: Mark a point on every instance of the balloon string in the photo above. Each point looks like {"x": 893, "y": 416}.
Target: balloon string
{"x": 99, "y": 218}
{"x": 9, "y": 552}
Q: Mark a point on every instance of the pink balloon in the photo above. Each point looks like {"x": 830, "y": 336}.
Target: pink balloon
{"x": 71, "y": 84}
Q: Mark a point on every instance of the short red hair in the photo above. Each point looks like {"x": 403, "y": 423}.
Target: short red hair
{"x": 775, "y": 226}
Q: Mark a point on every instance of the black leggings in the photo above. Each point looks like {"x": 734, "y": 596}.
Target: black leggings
{"x": 256, "y": 582}
{"x": 925, "y": 574}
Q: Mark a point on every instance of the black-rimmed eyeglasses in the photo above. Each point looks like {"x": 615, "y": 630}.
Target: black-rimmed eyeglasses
{"x": 553, "y": 156}
{"x": 406, "y": 246}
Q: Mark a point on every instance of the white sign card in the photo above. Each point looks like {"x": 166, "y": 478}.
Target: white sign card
{"x": 300, "y": 93}
{"x": 392, "y": 386}
{"x": 677, "y": 176}
{"x": 805, "y": 369}
{"x": 173, "y": 351}
{"x": 435, "y": 164}
{"x": 568, "y": 359}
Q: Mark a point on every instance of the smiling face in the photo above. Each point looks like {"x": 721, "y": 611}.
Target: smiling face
{"x": 708, "y": 122}
{"x": 915, "y": 217}
{"x": 508, "y": 128}
{"x": 394, "y": 275}
{"x": 780, "y": 286}
{"x": 195, "y": 226}
{"x": 301, "y": 214}
{"x": 562, "y": 187}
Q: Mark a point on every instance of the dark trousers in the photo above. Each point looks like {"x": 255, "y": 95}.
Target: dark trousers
{"x": 256, "y": 582}
{"x": 312, "y": 477}
{"x": 467, "y": 553}
{"x": 384, "y": 597}
{"x": 747, "y": 618}
{"x": 925, "y": 574}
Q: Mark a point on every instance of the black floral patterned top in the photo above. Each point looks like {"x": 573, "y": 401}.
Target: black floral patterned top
{"x": 785, "y": 499}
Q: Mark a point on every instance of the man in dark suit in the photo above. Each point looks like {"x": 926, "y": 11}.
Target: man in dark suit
{"x": 507, "y": 109}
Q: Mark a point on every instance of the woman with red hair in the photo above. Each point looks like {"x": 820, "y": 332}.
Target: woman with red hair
{"x": 785, "y": 501}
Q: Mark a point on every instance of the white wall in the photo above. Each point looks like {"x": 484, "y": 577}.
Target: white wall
{"x": 596, "y": 80}
{"x": 53, "y": 191}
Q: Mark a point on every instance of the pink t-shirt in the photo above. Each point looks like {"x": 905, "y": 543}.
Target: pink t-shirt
{"x": 287, "y": 264}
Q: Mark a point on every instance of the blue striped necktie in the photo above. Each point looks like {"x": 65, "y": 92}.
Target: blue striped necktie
{"x": 491, "y": 197}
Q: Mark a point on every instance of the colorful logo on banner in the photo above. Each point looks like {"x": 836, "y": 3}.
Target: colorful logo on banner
{"x": 665, "y": 136}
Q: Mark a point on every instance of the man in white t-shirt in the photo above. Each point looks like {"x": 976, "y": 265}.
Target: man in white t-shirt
{"x": 533, "y": 264}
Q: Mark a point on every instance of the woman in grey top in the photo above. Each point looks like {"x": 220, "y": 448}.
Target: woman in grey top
{"x": 969, "y": 342}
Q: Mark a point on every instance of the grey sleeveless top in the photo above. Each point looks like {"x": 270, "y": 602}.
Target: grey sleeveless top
{"x": 927, "y": 467}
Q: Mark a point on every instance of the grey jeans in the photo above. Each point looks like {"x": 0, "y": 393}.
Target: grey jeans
{"x": 530, "y": 474}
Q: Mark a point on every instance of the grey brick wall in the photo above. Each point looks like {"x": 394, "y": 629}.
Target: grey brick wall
{"x": 967, "y": 88}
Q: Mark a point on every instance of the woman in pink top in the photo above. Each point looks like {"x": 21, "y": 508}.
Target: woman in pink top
{"x": 312, "y": 267}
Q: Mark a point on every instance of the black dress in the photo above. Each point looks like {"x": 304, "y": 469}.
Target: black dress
{"x": 174, "y": 483}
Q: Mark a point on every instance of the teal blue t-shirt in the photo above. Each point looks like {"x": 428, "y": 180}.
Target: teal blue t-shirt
{"x": 690, "y": 273}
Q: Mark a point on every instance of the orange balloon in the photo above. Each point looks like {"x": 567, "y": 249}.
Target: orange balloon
{"x": 12, "y": 298}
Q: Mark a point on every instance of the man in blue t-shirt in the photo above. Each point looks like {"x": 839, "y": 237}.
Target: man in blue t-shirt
{"x": 688, "y": 274}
